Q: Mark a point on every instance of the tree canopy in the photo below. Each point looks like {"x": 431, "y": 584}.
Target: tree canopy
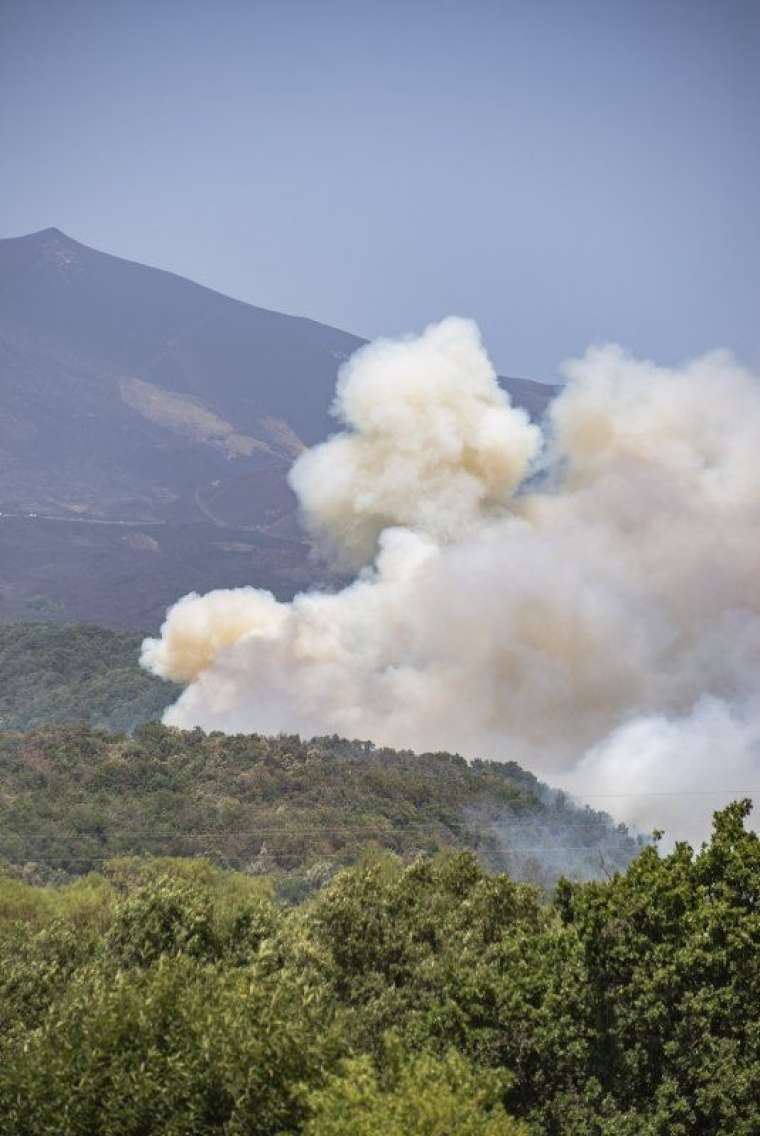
{"x": 56, "y": 673}
{"x": 161, "y": 997}
{"x": 75, "y": 796}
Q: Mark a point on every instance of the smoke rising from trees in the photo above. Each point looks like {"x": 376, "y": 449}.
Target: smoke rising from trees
{"x": 583, "y": 598}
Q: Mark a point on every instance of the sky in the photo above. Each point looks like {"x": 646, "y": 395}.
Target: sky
{"x": 565, "y": 172}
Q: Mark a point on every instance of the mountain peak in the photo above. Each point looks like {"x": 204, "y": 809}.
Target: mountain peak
{"x": 63, "y": 253}
{"x": 19, "y": 254}
{"x": 46, "y": 236}
{"x": 42, "y": 241}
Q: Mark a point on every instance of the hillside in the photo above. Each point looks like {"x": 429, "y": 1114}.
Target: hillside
{"x": 294, "y": 807}
{"x": 57, "y": 673}
{"x": 72, "y": 798}
{"x": 146, "y": 428}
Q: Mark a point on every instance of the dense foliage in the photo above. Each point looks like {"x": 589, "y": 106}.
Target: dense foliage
{"x": 72, "y": 797}
{"x": 72, "y": 673}
{"x": 170, "y": 998}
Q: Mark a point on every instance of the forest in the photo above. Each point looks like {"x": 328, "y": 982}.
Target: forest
{"x": 76, "y": 673}
{"x": 215, "y": 935}
{"x": 171, "y": 996}
{"x": 75, "y": 796}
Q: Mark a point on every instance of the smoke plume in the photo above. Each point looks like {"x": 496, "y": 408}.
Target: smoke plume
{"x": 582, "y": 598}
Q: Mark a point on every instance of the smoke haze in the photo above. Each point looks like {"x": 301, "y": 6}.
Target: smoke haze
{"x": 582, "y": 598}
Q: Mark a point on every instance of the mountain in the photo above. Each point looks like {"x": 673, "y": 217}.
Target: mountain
{"x": 146, "y": 428}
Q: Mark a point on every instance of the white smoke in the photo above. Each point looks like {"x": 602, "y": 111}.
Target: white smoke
{"x": 687, "y": 760}
{"x": 427, "y": 449}
{"x": 586, "y": 601}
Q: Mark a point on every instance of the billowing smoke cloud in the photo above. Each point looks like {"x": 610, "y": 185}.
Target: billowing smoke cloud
{"x": 584, "y": 600}
{"x": 427, "y": 448}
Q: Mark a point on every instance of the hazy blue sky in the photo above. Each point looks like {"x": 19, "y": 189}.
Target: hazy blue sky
{"x": 564, "y": 171}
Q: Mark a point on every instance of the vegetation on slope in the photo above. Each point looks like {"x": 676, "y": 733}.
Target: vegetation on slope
{"x": 163, "y": 998}
{"x": 72, "y": 797}
{"x": 74, "y": 673}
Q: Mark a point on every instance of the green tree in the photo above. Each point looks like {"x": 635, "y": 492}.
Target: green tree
{"x": 174, "y": 1049}
{"x": 424, "y": 1096}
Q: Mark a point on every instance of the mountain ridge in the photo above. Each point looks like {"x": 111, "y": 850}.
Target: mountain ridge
{"x": 130, "y": 394}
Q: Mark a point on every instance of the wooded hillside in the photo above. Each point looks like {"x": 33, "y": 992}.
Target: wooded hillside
{"x": 72, "y": 797}
{"x": 75, "y": 673}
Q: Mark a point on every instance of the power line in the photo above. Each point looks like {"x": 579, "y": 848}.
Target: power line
{"x": 476, "y": 827}
{"x": 255, "y": 834}
{"x": 667, "y": 793}
{"x": 392, "y": 827}
{"x": 279, "y": 860}
{"x": 328, "y": 830}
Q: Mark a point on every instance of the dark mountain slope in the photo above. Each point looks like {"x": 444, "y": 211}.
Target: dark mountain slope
{"x": 152, "y": 382}
{"x": 128, "y": 394}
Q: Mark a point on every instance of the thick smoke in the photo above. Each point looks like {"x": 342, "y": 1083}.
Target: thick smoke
{"x": 584, "y": 600}
{"x": 426, "y": 448}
